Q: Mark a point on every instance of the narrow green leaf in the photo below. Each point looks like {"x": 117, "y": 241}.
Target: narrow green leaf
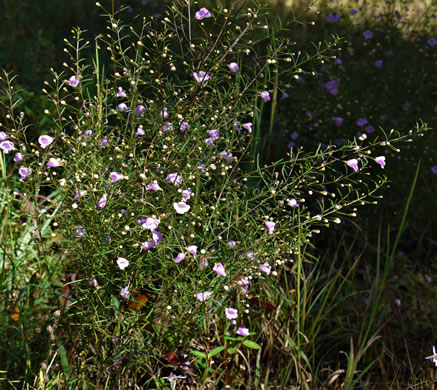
{"x": 200, "y": 354}
{"x": 64, "y": 360}
{"x": 215, "y": 351}
{"x": 251, "y": 344}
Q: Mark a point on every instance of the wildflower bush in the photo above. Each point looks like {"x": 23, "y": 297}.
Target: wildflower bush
{"x": 171, "y": 232}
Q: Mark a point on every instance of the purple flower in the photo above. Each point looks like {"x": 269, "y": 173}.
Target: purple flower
{"x": 291, "y": 145}
{"x": 183, "y": 125}
{"x": 18, "y": 157}
{"x": 122, "y": 107}
{"x": 193, "y": 250}
{"x": 202, "y": 14}
{"x": 338, "y": 61}
{"x": 181, "y": 207}
{"x": 367, "y": 34}
{"x": 332, "y": 86}
{"x": 245, "y": 285}
{"x": 338, "y": 120}
{"x": 157, "y": 236}
{"x": 210, "y": 142}
{"x": 102, "y": 202}
{"x": 231, "y": 313}
{"x": 45, "y": 141}
{"x": 140, "y": 110}
{"x": 125, "y": 292}
{"x": 294, "y": 135}
{"x": 227, "y": 156}
{"x": 121, "y": 93}
{"x": 153, "y": 187}
{"x": 164, "y": 113}
{"x": 215, "y": 134}
{"x": 247, "y": 126}
{"x": 353, "y": 163}
{"x": 204, "y": 296}
{"x": 233, "y": 66}
{"x": 381, "y": 161}
{"x": 201, "y": 76}
{"x": 179, "y": 258}
{"x": 284, "y": 96}
{"x": 219, "y": 269}
{"x": 140, "y": 131}
{"x": 115, "y": 176}
{"x": 379, "y": 63}
{"x": 406, "y": 106}
{"x": 353, "y": 11}
{"x": 53, "y": 163}
{"x": 103, "y": 142}
{"x": 232, "y": 243}
{"x": 3, "y": 136}
{"x": 270, "y": 226}
{"x": 266, "y": 268}
{"x": 73, "y": 81}
{"x": 174, "y": 178}
{"x": 434, "y": 169}
{"x": 250, "y": 255}
{"x": 122, "y": 263}
{"x": 151, "y": 223}
{"x": 265, "y": 96}
{"x": 243, "y": 331}
{"x": 186, "y": 194}
{"x": 369, "y": 129}
{"x": 145, "y": 246}
{"x": 432, "y": 42}
{"x": 79, "y": 232}
{"x": 361, "y": 122}
{"x": 24, "y": 172}
{"x": 7, "y": 146}
{"x": 333, "y": 18}
{"x": 433, "y": 356}
{"x": 203, "y": 264}
{"x": 237, "y": 126}
{"x": 94, "y": 283}
{"x": 167, "y": 127}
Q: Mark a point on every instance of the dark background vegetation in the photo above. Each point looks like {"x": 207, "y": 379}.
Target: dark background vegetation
{"x": 396, "y": 96}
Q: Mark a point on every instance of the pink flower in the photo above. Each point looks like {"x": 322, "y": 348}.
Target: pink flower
{"x": 233, "y": 66}
{"x": 231, "y": 314}
{"x": 174, "y": 178}
{"x": 266, "y": 268}
{"x": 243, "y": 331}
{"x": 7, "y": 146}
{"x": 179, "y": 258}
{"x": 122, "y": 107}
{"x": 140, "y": 131}
{"x": 293, "y": 203}
{"x": 164, "y": 113}
{"x": 24, "y": 172}
{"x": 219, "y": 269}
{"x": 270, "y": 226}
{"x": 115, "y": 176}
{"x": 181, "y": 207}
{"x": 202, "y": 14}
{"x": 73, "y": 81}
{"x": 353, "y": 164}
{"x": 204, "y": 296}
{"x": 102, "y": 202}
{"x": 201, "y": 77}
{"x": 125, "y": 292}
{"x": 265, "y": 96}
{"x": 3, "y": 136}
{"x": 186, "y": 194}
{"x": 193, "y": 250}
{"x": 245, "y": 285}
{"x": 381, "y": 161}
{"x": 45, "y": 141}
{"x": 151, "y": 223}
{"x": 122, "y": 263}
{"x": 53, "y": 163}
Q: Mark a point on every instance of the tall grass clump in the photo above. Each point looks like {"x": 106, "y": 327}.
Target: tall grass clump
{"x": 167, "y": 223}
